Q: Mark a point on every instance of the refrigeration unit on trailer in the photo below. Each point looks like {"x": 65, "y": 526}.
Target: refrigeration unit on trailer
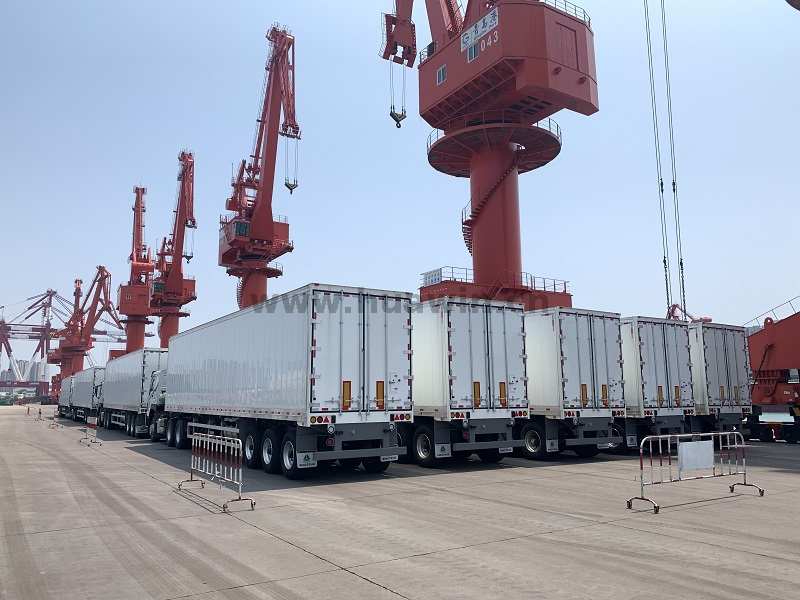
{"x": 469, "y": 379}
{"x": 575, "y": 391}
{"x": 658, "y": 376}
{"x": 720, "y": 375}
{"x": 127, "y": 390}
{"x": 65, "y": 397}
{"x": 86, "y": 390}
{"x": 321, "y": 373}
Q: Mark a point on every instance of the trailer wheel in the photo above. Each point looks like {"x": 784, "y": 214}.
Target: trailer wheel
{"x": 619, "y": 448}
{"x": 154, "y": 435}
{"x": 586, "y": 451}
{"x": 269, "y": 452}
{"x": 765, "y": 435}
{"x": 169, "y": 434}
{"x": 289, "y": 456}
{"x": 182, "y": 440}
{"x": 374, "y": 464}
{"x": 490, "y": 455}
{"x": 139, "y": 420}
{"x": 535, "y": 446}
{"x": 251, "y": 446}
{"x": 423, "y": 448}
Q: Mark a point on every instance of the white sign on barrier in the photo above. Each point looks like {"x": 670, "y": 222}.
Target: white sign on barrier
{"x": 693, "y": 456}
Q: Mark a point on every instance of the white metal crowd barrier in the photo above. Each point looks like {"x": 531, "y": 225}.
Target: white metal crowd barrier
{"x": 217, "y": 456}
{"x": 91, "y": 429}
{"x": 694, "y": 457}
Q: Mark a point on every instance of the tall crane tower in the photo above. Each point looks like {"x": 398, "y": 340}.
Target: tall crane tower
{"x": 134, "y": 296}
{"x": 77, "y": 337}
{"x": 171, "y": 290}
{"x": 488, "y": 83}
{"x": 251, "y": 237}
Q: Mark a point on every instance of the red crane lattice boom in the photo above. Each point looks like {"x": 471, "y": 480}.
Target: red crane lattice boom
{"x": 251, "y": 237}
{"x": 170, "y": 289}
{"x": 134, "y": 296}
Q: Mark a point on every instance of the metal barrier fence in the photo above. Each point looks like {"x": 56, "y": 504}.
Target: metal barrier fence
{"x": 55, "y": 424}
{"x": 217, "y": 456}
{"x": 90, "y": 437}
{"x": 694, "y": 453}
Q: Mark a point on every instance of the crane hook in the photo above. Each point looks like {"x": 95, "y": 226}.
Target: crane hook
{"x": 397, "y": 117}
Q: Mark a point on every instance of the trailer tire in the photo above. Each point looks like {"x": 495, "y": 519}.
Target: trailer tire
{"x": 153, "y": 428}
{"x": 169, "y": 434}
{"x": 620, "y": 448}
{"x": 490, "y": 455}
{"x": 270, "y": 450}
{"x": 423, "y": 447}
{"x": 289, "y": 456}
{"x": 374, "y": 464}
{"x": 182, "y": 440}
{"x": 462, "y": 454}
{"x": 535, "y": 446}
{"x": 136, "y": 424}
{"x": 251, "y": 446}
{"x": 586, "y": 451}
{"x": 765, "y": 435}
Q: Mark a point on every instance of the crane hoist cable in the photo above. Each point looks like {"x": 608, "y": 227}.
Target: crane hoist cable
{"x": 676, "y": 207}
{"x": 397, "y": 117}
{"x": 291, "y": 185}
{"x": 657, "y": 145}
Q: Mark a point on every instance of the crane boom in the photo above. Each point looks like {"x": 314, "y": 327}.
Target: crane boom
{"x": 134, "y": 296}
{"x": 171, "y": 290}
{"x": 252, "y": 237}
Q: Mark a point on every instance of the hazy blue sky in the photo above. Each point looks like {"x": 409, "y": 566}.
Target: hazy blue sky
{"x": 99, "y": 96}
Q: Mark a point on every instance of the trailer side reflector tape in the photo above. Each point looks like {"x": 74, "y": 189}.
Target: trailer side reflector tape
{"x": 503, "y": 398}
{"x": 584, "y": 395}
{"x": 347, "y": 396}
{"x": 660, "y": 396}
{"x": 476, "y": 394}
{"x": 722, "y": 393}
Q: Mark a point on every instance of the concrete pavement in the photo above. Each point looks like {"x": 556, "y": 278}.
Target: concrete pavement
{"x": 108, "y": 522}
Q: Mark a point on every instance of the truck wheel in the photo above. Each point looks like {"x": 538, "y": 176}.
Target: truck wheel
{"x": 408, "y": 457}
{"x": 423, "y": 449}
{"x": 535, "y": 446}
{"x": 182, "y": 440}
{"x": 765, "y": 435}
{"x": 490, "y": 455}
{"x": 349, "y": 463}
{"x": 619, "y": 448}
{"x": 462, "y": 454}
{"x": 374, "y": 464}
{"x": 586, "y": 451}
{"x": 269, "y": 452}
{"x": 169, "y": 434}
{"x": 289, "y": 456}
{"x": 153, "y": 429}
{"x": 139, "y": 420}
{"x": 251, "y": 447}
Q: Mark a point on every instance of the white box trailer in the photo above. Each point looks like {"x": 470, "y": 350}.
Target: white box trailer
{"x": 126, "y": 389}
{"x": 720, "y": 376}
{"x": 320, "y": 373}
{"x": 658, "y": 376}
{"x": 65, "y": 397}
{"x": 469, "y": 379}
{"x": 574, "y": 360}
{"x": 86, "y": 390}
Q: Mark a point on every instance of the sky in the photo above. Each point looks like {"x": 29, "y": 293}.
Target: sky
{"x": 99, "y": 96}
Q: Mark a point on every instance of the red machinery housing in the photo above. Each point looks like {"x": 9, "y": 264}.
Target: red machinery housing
{"x": 251, "y": 238}
{"x": 775, "y": 361}
{"x": 489, "y": 82}
{"x": 134, "y": 296}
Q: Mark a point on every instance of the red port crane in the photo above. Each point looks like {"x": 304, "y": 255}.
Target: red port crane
{"x": 134, "y": 296}
{"x": 171, "y": 290}
{"x": 77, "y": 337}
{"x": 488, "y": 83}
{"x": 251, "y": 237}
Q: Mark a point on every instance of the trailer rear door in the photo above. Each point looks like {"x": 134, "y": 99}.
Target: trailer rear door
{"x": 607, "y": 349}
{"x": 387, "y": 353}
{"x": 469, "y": 370}
{"x": 507, "y": 361}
